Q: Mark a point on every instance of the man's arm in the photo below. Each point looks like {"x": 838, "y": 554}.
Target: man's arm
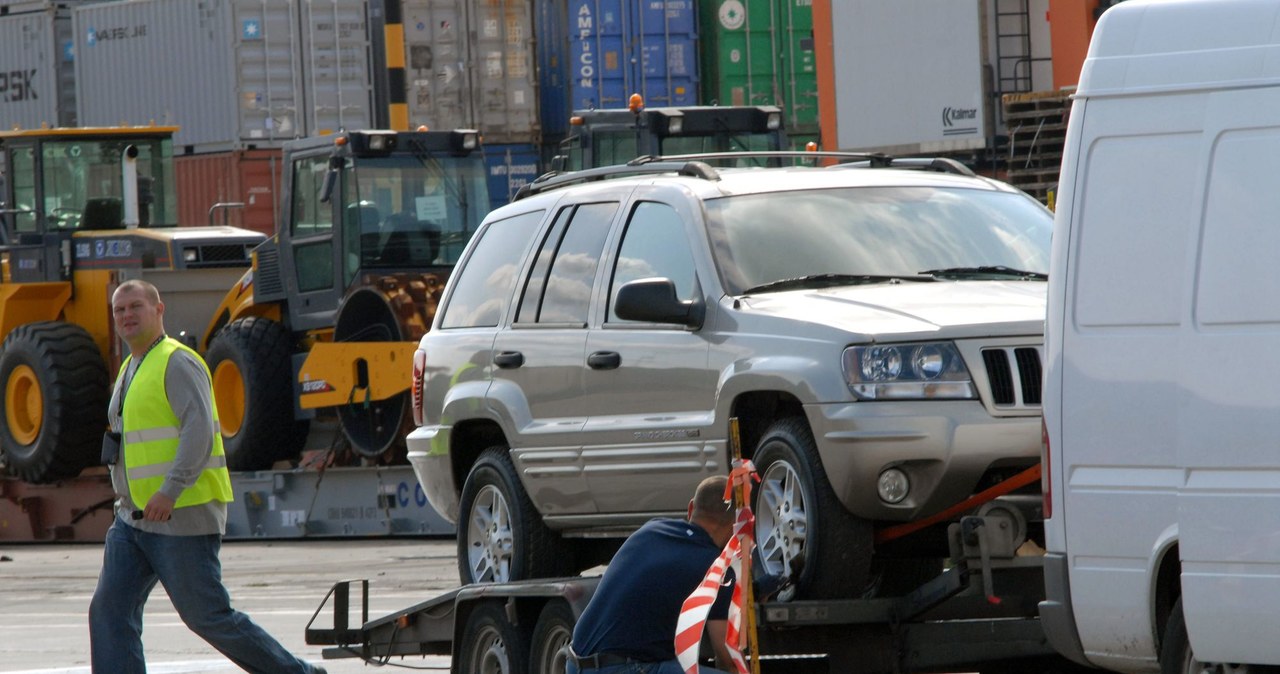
{"x": 716, "y": 631}
{"x": 187, "y": 387}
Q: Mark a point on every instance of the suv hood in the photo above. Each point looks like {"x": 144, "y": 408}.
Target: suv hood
{"x": 956, "y": 309}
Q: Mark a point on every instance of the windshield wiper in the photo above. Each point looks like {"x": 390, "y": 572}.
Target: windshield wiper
{"x": 999, "y": 271}
{"x": 829, "y": 280}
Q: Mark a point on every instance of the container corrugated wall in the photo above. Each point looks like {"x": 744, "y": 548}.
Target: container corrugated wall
{"x": 760, "y": 52}
{"x": 470, "y": 64}
{"x": 231, "y": 75}
{"x": 37, "y": 77}
{"x": 618, "y": 47}
{"x": 509, "y": 167}
{"x": 552, "y": 25}
{"x": 250, "y": 177}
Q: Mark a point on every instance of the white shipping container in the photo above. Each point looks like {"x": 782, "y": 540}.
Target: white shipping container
{"x": 37, "y": 77}
{"x": 232, "y": 75}
{"x": 908, "y": 75}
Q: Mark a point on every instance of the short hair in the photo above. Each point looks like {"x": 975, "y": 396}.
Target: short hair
{"x": 145, "y": 287}
{"x": 709, "y": 502}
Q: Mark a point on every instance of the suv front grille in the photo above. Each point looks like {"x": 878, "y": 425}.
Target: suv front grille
{"x": 1014, "y": 374}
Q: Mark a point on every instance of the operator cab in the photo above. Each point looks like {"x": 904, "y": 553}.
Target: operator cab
{"x": 610, "y": 137}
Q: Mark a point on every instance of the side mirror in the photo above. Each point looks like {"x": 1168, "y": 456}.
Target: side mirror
{"x": 654, "y": 300}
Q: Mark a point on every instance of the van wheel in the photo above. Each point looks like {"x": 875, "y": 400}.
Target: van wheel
{"x": 250, "y": 361}
{"x": 501, "y": 537}
{"x": 490, "y": 643}
{"x": 54, "y": 389}
{"x": 798, "y": 517}
{"x": 551, "y": 636}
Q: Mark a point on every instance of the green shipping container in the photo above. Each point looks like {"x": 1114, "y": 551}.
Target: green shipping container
{"x": 760, "y": 52}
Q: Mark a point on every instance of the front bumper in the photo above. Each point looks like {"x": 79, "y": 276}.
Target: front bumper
{"x": 434, "y": 470}
{"x": 944, "y": 447}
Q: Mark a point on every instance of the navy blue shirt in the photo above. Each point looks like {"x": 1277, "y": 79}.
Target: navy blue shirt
{"x": 635, "y": 608}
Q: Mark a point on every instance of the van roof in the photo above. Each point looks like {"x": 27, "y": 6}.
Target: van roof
{"x": 1147, "y": 46}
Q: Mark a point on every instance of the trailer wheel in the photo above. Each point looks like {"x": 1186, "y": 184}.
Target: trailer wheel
{"x": 501, "y": 537}
{"x": 251, "y": 367}
{"x": 551, "y": 637}
{"x": 798, "y": 516}
{"x": 1176, "y": 656}
{"x": 55, "y": 389}
{"x": 491, "y": 644}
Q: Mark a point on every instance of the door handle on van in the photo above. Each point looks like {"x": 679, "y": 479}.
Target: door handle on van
{"x": 604, "y": 360}
{"x": 508, "y": 360}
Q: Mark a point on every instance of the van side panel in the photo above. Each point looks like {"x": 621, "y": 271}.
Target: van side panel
{"x": 1229, "y": 427}
{"x": 1133, "y": 240}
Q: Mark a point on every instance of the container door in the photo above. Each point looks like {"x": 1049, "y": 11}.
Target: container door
{"x": 270, "y": 90}
{"x": 798, "y": 69}
{"x": 435, "y": 64}
{"x": 504, "y": 95}
{"x": 35, "y": 50}
{"x": 336, "y": 71}
{"x": 663, "y": 52}
{"x": 509, "y": 167}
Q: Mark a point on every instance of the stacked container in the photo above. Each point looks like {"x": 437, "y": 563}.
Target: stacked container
{"x": 596, "y": 53}
{"x": 233, "y": 75}
{"x": 760, "y": 52}
{"x": 509, "y": 167}
{"x": 469, "y": 65}
{"x": 37, "y": 76}
{"x": 247, "y": 177}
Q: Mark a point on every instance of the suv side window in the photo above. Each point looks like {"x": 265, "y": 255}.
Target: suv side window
{"x": 654, "y": 245}
{"x": 559, "y": 289}
{"x": 484, "y": 284}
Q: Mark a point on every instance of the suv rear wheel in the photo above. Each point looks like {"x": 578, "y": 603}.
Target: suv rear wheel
{"x": 799, "y": 516}
{"x": 500, "y": 535}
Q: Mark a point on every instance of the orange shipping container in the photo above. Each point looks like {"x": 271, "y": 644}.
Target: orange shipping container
{"x": 250, "y": 177}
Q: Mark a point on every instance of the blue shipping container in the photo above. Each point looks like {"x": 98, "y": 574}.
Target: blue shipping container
{"x": 509, "y": 167}
{"x": 616, "y": 48}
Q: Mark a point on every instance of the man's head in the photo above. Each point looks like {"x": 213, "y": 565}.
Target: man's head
{"x": 709, "y": 510}
{"x": 138, "y": 314}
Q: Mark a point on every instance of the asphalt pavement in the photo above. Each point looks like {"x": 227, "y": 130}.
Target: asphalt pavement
{"x": 45, "y": 591}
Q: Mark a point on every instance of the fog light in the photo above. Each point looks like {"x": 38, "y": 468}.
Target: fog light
{"x": 893, "y": 485}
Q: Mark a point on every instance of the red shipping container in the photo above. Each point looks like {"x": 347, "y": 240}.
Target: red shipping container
{"x": 250, "y": 177}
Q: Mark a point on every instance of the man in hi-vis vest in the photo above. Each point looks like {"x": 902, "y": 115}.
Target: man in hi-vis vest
{"x": 172, "y": 486}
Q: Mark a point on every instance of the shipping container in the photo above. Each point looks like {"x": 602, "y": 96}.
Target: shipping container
{"x": 232, "y": 75}
{"x": 469, "y": 64}
{"x": 615, "y": 48}
{"x": 247, "y": 177}
{"x": 37, "y": 76}
{"x": 760, "y": 52}
{"x": 509, "y": 167}
{"x": 903, "y": 77}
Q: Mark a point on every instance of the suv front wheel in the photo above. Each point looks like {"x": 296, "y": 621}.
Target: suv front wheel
{"x": 799, "y": 517}
{"x": 500, "y": 535}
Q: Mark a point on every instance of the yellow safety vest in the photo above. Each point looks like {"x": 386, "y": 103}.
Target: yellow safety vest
{"x": 151, "y": 432}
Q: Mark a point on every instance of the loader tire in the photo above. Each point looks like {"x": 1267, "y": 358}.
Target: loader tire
{"x": 54, "y": 387}
{"x": 251, "y": 364}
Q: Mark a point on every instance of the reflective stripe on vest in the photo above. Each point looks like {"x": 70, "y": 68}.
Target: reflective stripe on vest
{"x": 151, "y": 434}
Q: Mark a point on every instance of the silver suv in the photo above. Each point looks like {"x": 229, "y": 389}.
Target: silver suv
{"x": 876, "y": 331}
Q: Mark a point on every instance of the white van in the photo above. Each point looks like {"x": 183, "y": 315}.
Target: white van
{"x": 1162, "y": 391}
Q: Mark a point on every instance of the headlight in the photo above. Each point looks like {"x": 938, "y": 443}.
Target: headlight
{"x": 930, "y": 370}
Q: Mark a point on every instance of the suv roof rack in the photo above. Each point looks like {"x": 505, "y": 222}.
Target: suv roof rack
{"x": 846, "y": 159}
{"x": 553, "y": 180}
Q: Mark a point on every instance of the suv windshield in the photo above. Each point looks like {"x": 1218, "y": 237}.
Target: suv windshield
{"x": 875, "y": 232}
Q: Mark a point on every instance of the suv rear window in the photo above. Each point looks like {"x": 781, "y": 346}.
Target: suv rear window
{"x": 486, "y": 279}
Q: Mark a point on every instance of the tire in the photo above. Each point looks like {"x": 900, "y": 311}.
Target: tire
{"x": 549, "y": 652}
{"x": 1176, "y": 656}
{"x": 490, "y": 643}
{"x": 501, "y": 537}
{"x": 798, "y": 515}
{"x": 251, "y": 363}
{"x": 55, "y": 390}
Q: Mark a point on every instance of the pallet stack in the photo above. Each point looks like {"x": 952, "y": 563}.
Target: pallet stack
{"x": 1037, "y": 126}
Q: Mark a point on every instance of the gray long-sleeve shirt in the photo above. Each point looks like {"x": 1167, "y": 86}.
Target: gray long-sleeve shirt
{"x": 188, "y": 389}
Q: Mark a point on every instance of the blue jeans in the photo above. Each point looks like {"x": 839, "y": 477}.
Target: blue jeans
{"x": 188, "y": 567}
{"x": 666, "y": 667}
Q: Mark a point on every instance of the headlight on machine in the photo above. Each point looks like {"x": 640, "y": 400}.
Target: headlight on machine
{"x": 924, "y": 371}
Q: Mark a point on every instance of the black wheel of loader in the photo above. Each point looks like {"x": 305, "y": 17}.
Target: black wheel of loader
{"x": 374, "y": 428}
{"x": 250, "y": 360}
{"x": 54, "y": 389}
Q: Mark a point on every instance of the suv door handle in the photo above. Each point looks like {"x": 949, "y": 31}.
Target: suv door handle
{"x": 508, "y": 360}
{"x": 604, "y": 360}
